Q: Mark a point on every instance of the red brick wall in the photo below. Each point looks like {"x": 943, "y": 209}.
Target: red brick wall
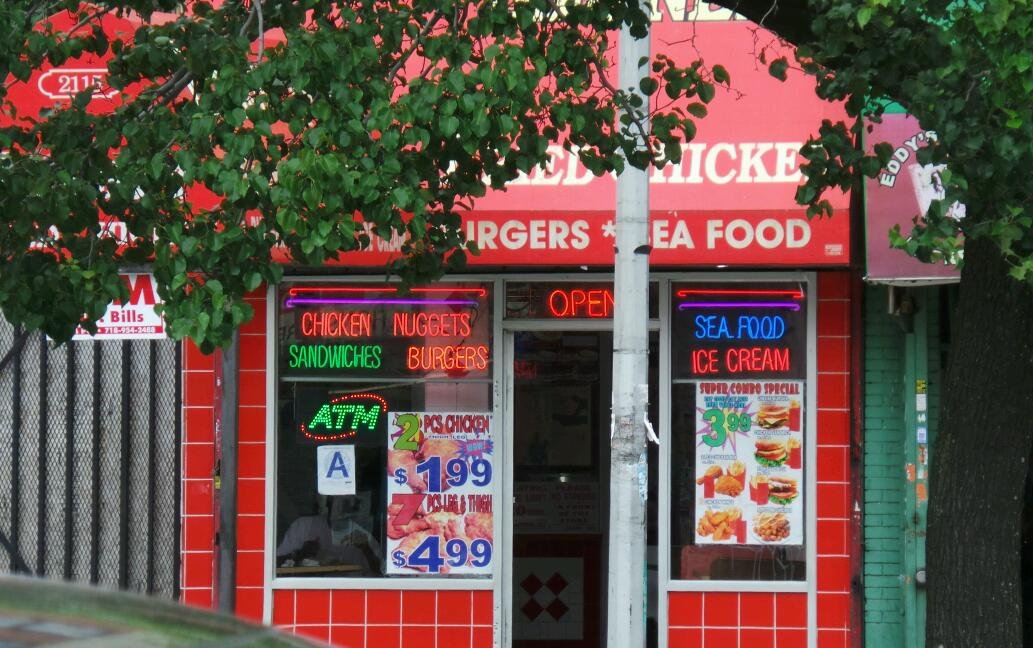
{"x": 763, "y": 620}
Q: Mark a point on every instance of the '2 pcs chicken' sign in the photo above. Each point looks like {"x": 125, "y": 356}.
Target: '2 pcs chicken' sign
{"x": 440, "y": 493}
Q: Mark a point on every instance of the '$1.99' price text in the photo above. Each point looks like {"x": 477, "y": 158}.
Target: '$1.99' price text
{"x": 457, "y": 472}
{"x": 457, "y": 554}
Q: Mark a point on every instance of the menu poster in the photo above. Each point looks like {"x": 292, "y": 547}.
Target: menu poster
{"x": 749, "y": 462}
{"x": 440, "y": 493}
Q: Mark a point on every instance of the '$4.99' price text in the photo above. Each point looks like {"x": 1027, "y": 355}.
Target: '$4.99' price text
{"x": 458, "y": 553}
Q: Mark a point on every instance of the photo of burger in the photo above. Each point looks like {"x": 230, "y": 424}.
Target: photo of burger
{"x": 782, "y": 490}
{"x": 770, "y": 453}
{"x": 772, "y": 416}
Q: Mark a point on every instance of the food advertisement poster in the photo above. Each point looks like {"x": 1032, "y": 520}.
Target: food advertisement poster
{"x": 440, "y": 493}
{"x": 749, "y": 462}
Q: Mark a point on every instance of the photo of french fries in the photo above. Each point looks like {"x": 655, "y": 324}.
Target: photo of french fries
{"x": 719, "y": 524}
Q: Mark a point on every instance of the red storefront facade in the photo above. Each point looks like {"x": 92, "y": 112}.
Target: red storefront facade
{"x": 725, "y": 234}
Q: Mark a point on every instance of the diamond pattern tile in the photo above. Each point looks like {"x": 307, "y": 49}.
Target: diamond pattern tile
{"x": 556, "y": 583}
{"x": 532, "y": 609}
{"x": 557, "y": 609}
{"x": 531, "y": 584}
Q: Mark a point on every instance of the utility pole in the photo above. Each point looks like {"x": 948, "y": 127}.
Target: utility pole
{"x": 228, "y": 392}
{"x": 626, "y": 610}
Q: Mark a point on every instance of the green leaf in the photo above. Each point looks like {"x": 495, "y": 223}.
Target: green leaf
{"x": 778, "y": 68}
{"x": 864, "y": 15}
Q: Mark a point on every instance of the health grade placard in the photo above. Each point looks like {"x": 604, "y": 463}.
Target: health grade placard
{"x": 440, "y": 493}
{"x": 749, "y": 462}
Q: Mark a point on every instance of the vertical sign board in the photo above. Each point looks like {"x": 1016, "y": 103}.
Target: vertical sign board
{"x": 902, "y": 190}
{"x": 335, "y": 469}
{"x": 749, "y": 462}
{"x": 440, "y": 493}
{"x": 133, "y": 320}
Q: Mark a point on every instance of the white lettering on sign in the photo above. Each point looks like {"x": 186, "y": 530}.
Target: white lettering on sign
{"x": 768, "y": 233}
{"x": 902, "y": 153}
{"x": 719, "y": 163}
{"x": 335, "y": 469}
{"x": 64, "y": 83}
{"x": 543, "y": 234}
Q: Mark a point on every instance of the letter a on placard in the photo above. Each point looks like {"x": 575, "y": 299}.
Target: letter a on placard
{"x": 337, "y": 465}
{"x": 335, "y": 469}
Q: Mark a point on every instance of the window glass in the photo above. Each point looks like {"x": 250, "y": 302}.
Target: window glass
{"x": 739, "y": 366}
{"x": 353, "y": 361}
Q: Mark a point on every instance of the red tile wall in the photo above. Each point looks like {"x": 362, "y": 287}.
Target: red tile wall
{"x": 198, "y": 533}
{"x": 347, "y": 618}
{"x": 387, "y": 618}
{"x": 766, "y": 620}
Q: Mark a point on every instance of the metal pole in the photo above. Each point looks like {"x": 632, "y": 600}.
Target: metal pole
{"x": 626, "y": 623}
{"x": 229, "y": 386}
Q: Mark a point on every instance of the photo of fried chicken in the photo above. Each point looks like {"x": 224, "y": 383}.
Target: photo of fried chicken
{"x": 728, "y": 485}
{"x": 406, "y": 460}
{"x": 478, "y": 525}
{"x": 720, "y": 524}
{"x": 771, "y": 527}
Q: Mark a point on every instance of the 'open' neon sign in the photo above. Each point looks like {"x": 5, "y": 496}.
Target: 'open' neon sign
{"x": 578, "y": 302}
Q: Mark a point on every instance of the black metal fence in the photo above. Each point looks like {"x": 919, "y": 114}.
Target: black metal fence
{"x": 90, "y": 461}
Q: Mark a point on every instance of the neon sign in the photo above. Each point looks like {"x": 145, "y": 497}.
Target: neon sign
{"x": 351, "y": 301}
{"x": 344, "y": 416}
{"x": 336, "y": 324}
{"x": 409, "y": 324}
{"x": 334, "y": 356}
{"x": 790, "y": 305}
{"x": 447, "y": 357}
{"x": 741, "y": 360}
{"x": 749, "y": 327}
{"x": 685, "y": 292}
{"x": 391, "y": 290}
{"x": 385, "y": 330}
{"x": 578, "y": 302}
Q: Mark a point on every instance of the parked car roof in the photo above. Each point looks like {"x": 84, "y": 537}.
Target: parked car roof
{"x": 36, "y": 612}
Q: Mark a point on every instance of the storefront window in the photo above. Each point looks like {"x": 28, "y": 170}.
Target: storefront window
{"x": 384, "y": 435}
{"x": 739, "y": 369}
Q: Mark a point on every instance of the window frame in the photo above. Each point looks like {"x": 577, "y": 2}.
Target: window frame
{"x": 397, "y": 583}
{"x": 667, "y": 582}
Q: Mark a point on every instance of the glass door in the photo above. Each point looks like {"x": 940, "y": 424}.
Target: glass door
{"x": 561, "y": 380}
{"x": 560, "y": 409}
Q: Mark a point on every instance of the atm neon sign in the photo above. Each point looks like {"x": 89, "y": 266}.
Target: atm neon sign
{"x": 345, "y": 416}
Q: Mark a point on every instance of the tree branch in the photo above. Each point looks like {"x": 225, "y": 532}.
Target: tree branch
{"x": 415, "y": 44}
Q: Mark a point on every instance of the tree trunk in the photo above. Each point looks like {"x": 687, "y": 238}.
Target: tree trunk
{"x": 979, "y": 464}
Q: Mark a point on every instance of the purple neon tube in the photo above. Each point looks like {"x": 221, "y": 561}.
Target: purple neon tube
{"x": 790, "y": 305}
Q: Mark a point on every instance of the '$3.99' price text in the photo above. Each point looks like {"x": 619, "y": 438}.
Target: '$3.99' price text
{"x": 457, "y": 554}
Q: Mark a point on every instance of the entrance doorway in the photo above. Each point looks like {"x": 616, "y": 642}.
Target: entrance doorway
{"x": 561, "y": 467}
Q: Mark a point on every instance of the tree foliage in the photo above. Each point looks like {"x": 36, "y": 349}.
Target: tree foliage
{"x": 317, "y": 124}
{"x": 964, "y": 69}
